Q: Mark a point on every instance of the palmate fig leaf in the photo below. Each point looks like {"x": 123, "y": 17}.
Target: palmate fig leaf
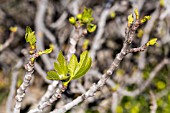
{"x": 84, "y": 70}
{"x": 72, "y": 65}
{"x": 83, "y": 65}
{"x": 61, "y": 67}
{"x": 52, "y": 75}
{"x": 62, "y": 63}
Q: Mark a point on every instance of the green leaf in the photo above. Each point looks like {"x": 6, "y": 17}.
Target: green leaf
{"x": 84, "y": 70}
{"x": 58, "y": 68}
{"x": 52, "y": 75}
{"x": 79, "y": 16}
{"x": 136, "y": 13}
{"x": 61, "y": 67}
{"x": 72, "y": 20}
{"x": 152, "y": 42}
{"x": 28, "y": 29}
{"x": 130, "y": 19}
{"x": 87, "y": 15}
{"x": 47, "y": 51}
{"x": 30, "y": 36}
{"x": 83, "y": 65}
{"x": 146, "y": 18}
{"x": 62, "y": 62}
{"x": 72, "y": 65}
{"x": 91, "y": 27}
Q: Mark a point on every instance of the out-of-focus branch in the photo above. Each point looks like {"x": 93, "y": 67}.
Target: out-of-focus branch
{"x": 114, "y": 101}
{"x": 147, "y": 82}
{"x": 153, "y": 106}
{"x": 41, "y": 30}
{"x": 145, "y": 37}
{"x": 39, "y": 20}
{"x": 50, "y": 91}
{"x": 8, "y": 41}
{"x": 59, "y": 23}
{"x": 13, "y": 86}
{"x": 42, "y": 73}
{"x": 100, "y": 30}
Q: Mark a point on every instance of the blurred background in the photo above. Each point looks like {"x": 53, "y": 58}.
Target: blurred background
{"x": 141, "y": 83}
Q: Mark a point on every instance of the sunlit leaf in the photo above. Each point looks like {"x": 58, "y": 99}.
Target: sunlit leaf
{"x": 62, "y": 62}
{"x": 13, "y": 29}
{"x": 87, "y": 15}
{"x": 152, "y": 42}
{"x": 72, "y": 64}
{"x": 83, "y": 65}
{"x": 84, "y": 70}
{"x": 52, "y": 75}
{"x": 47, "y": 51}
{"x": 91, "y": 28}
{"x": 146, "y": 18}
{"x": 130, "y": 19}
{"x": 136, "y": 13}
{"x": 72, "y": 20}
{"x": 30, "y": 36}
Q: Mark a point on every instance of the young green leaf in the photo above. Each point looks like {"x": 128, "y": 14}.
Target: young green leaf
{"x": 84, "y": 64}
{"x": 136, "y": 13}
{"x": 72, "y": 20}
{"x": 152, "y": 42}
{"x": 130, "y": 19}
{"x": 30, "y": 36}
{"x": 91, "y": 27}
{"x": 28, "y": 29}
{"x": 85, "y": 69}
{"x": 47, "y": 51}
{"x": 87, "y": 15}
{"x": 52, "y": 75}
{"x": 146, "y": 18}
{"x": 72, "y": 65}
{"x": 62, "y": 62}
{"x": 58, "y": 68}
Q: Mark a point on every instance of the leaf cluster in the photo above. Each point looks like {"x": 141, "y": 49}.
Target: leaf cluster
{"x": 131, "y": 19}
{"x": 73, "y": 70}
{"x": 84, "y": 18}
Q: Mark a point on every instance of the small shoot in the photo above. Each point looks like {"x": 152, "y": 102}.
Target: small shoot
{"x": 84, "y": 18}
{"x": 112, "y": 14}
{"x": 72, "y": 20}
{"x": 146, "y": 18}
{"x": 13, "y": 29}
{"x": 31, "y": 39}
{"x": 47, "y": 51}
{"x": 152, "y": 42}
{"x": 130, "y": 20}
{"x": 30, "y": 36}
{"x": 162, "y": 3}
{"x": 68, "y": 71}
{"x": 136, "y": 13}
{"x": 91, "y": 27}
